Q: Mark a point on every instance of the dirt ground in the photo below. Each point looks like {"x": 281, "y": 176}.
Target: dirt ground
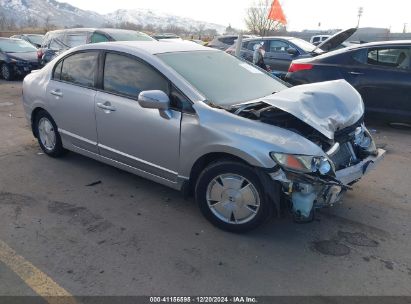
{"x": 129, "y": 236}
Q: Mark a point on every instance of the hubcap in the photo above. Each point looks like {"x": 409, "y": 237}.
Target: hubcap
{"x": 233, "y": 199}
{"x": 47, "y": 134}
{"x": 5, "y": 72}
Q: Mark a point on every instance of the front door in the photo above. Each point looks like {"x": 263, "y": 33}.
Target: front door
{"x": 128, "y": 133}
{"x": 276, "y": 55}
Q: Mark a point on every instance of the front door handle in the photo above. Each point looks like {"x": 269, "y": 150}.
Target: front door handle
{"x": 57, "y": 93}
{"x": 356, "y": 73}
{"x": 106, "y": 106}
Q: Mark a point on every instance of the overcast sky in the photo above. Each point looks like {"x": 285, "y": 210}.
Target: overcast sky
{"x": 301, "y": 14}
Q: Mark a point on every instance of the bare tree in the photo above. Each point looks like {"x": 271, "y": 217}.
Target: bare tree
{"x": 31, "y": 22}
{"x": 47, "y": 23}
{"x": 200, "y": 30}
{"x": 257, "y": 18}
{"x": 3, "y": 21}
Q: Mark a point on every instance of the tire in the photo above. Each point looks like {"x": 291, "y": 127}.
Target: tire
{"x": 6, "y": 72}
{"x": 47, "y": 135}
{"x": 231, "y": 196}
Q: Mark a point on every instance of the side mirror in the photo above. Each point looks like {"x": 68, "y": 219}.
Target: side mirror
{"x": 156, "y": 99}
{"x": 292, "y": 51}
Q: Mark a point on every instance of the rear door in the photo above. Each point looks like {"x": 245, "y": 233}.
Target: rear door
{"x": 71, "y": 93}
{"x": 129, "y": 133}
{"x": 382, "y": 75}
{"x": 276, "y": 55}
{"x": 248, "y": 50}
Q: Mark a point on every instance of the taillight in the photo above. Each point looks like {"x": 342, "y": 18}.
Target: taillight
{"x": 295, "y": 67}
{"x": 39, "y": 53}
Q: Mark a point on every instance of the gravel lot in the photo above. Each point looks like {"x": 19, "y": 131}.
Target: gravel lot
{"x": 130, "y": 236}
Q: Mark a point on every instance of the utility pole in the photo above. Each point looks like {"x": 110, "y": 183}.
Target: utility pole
{"x": 360, "y": 13}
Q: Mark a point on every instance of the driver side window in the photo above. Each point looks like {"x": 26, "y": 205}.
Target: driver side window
{"x": 128, "y": 76}
{"x": 278, "y": 46}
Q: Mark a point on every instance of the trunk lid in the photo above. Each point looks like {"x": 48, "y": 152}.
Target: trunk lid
{"x": 334, "y": 41}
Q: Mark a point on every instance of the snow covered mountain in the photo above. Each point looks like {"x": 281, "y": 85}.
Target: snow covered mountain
{"x": 60, "y": 14}
{"x": 158, "y": 19}
{"x": 50, "y": 11}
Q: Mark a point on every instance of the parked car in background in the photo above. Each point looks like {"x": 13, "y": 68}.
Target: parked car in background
{"x": 380, "y": 71}
{"x": 199, "y": 120}
{"x": 17, "y": 58}
{"x": 280, "y": 51}
{"x": 167, "y": 36}
{"x": 224, "y": 42}
{"x": 317, "y": 39}
{"x": 34, "y": 39}
{"x": 200, "y": 42}
{"x": 56, "y": 42}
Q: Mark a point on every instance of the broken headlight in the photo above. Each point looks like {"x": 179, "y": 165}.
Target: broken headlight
{"x": 303, "y": 163}
{"x": 361, "y": 138}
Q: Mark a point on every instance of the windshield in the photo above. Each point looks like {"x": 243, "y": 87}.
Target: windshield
{"x": 37, "y": 39}
{"x": 304, "y": 45}
{"x": 222, "y": 78}
{"x": 129, "y": 36}
{"x": 16, "y": 46}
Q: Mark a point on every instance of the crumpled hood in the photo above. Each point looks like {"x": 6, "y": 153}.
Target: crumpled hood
{"x": 326, "y": 106}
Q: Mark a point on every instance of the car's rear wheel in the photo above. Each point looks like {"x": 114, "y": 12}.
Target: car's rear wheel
{"x": 231, "y": 196}
{"x": 47, "y": 135}
{"x": 6, "y": 72}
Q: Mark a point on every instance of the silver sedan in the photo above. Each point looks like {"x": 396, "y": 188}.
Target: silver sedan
{"x": 201, "y": 121}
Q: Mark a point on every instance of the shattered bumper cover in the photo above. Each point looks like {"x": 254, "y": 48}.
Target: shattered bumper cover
{"x": 308, "y": 192}
{"x": 354, "y": 173}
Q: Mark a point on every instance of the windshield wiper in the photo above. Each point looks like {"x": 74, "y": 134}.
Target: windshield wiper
{"x": 214, "y": 105}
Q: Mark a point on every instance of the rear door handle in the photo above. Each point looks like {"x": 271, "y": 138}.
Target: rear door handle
{"x": 57, "y": 93}
{"x": 106, "y": 106}
{"x": 356, "y": 73}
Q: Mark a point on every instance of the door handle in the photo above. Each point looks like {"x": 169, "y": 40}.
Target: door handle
{"x": 57, "y": 93}
{"x": 356, "y": 73}
{"x": 106, "y": 106}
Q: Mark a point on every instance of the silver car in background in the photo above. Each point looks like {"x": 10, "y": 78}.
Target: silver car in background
{"x": 204, "y": 122}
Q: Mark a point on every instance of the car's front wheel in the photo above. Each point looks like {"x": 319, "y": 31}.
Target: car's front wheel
{"x": 6, "y": 72}
{"x": 47, "y": 134}
{"x": 231, "y": 196}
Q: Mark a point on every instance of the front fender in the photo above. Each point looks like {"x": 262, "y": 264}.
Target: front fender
{"x": 218, "y": 131}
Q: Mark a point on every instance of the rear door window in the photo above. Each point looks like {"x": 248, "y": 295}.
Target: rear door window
{"x": 76, "y": 39}
{"x": 398, "y": 57}
{"x": 80, "y": 69}
{"x": 252, "y": 44}
{"x": 57, "y": 71}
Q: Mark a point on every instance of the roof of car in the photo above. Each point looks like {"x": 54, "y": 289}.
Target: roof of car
{"x": 151, "y": 47}
{"x": 382, "y": 43}
{"x": 6, "y": 38}
{"x": 270, "y": 37}
{"x": 88, "y": 29}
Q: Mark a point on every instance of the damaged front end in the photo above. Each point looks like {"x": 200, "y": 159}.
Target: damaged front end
{"x": 321, "y": 187}
{"x": 331, "y": 116}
